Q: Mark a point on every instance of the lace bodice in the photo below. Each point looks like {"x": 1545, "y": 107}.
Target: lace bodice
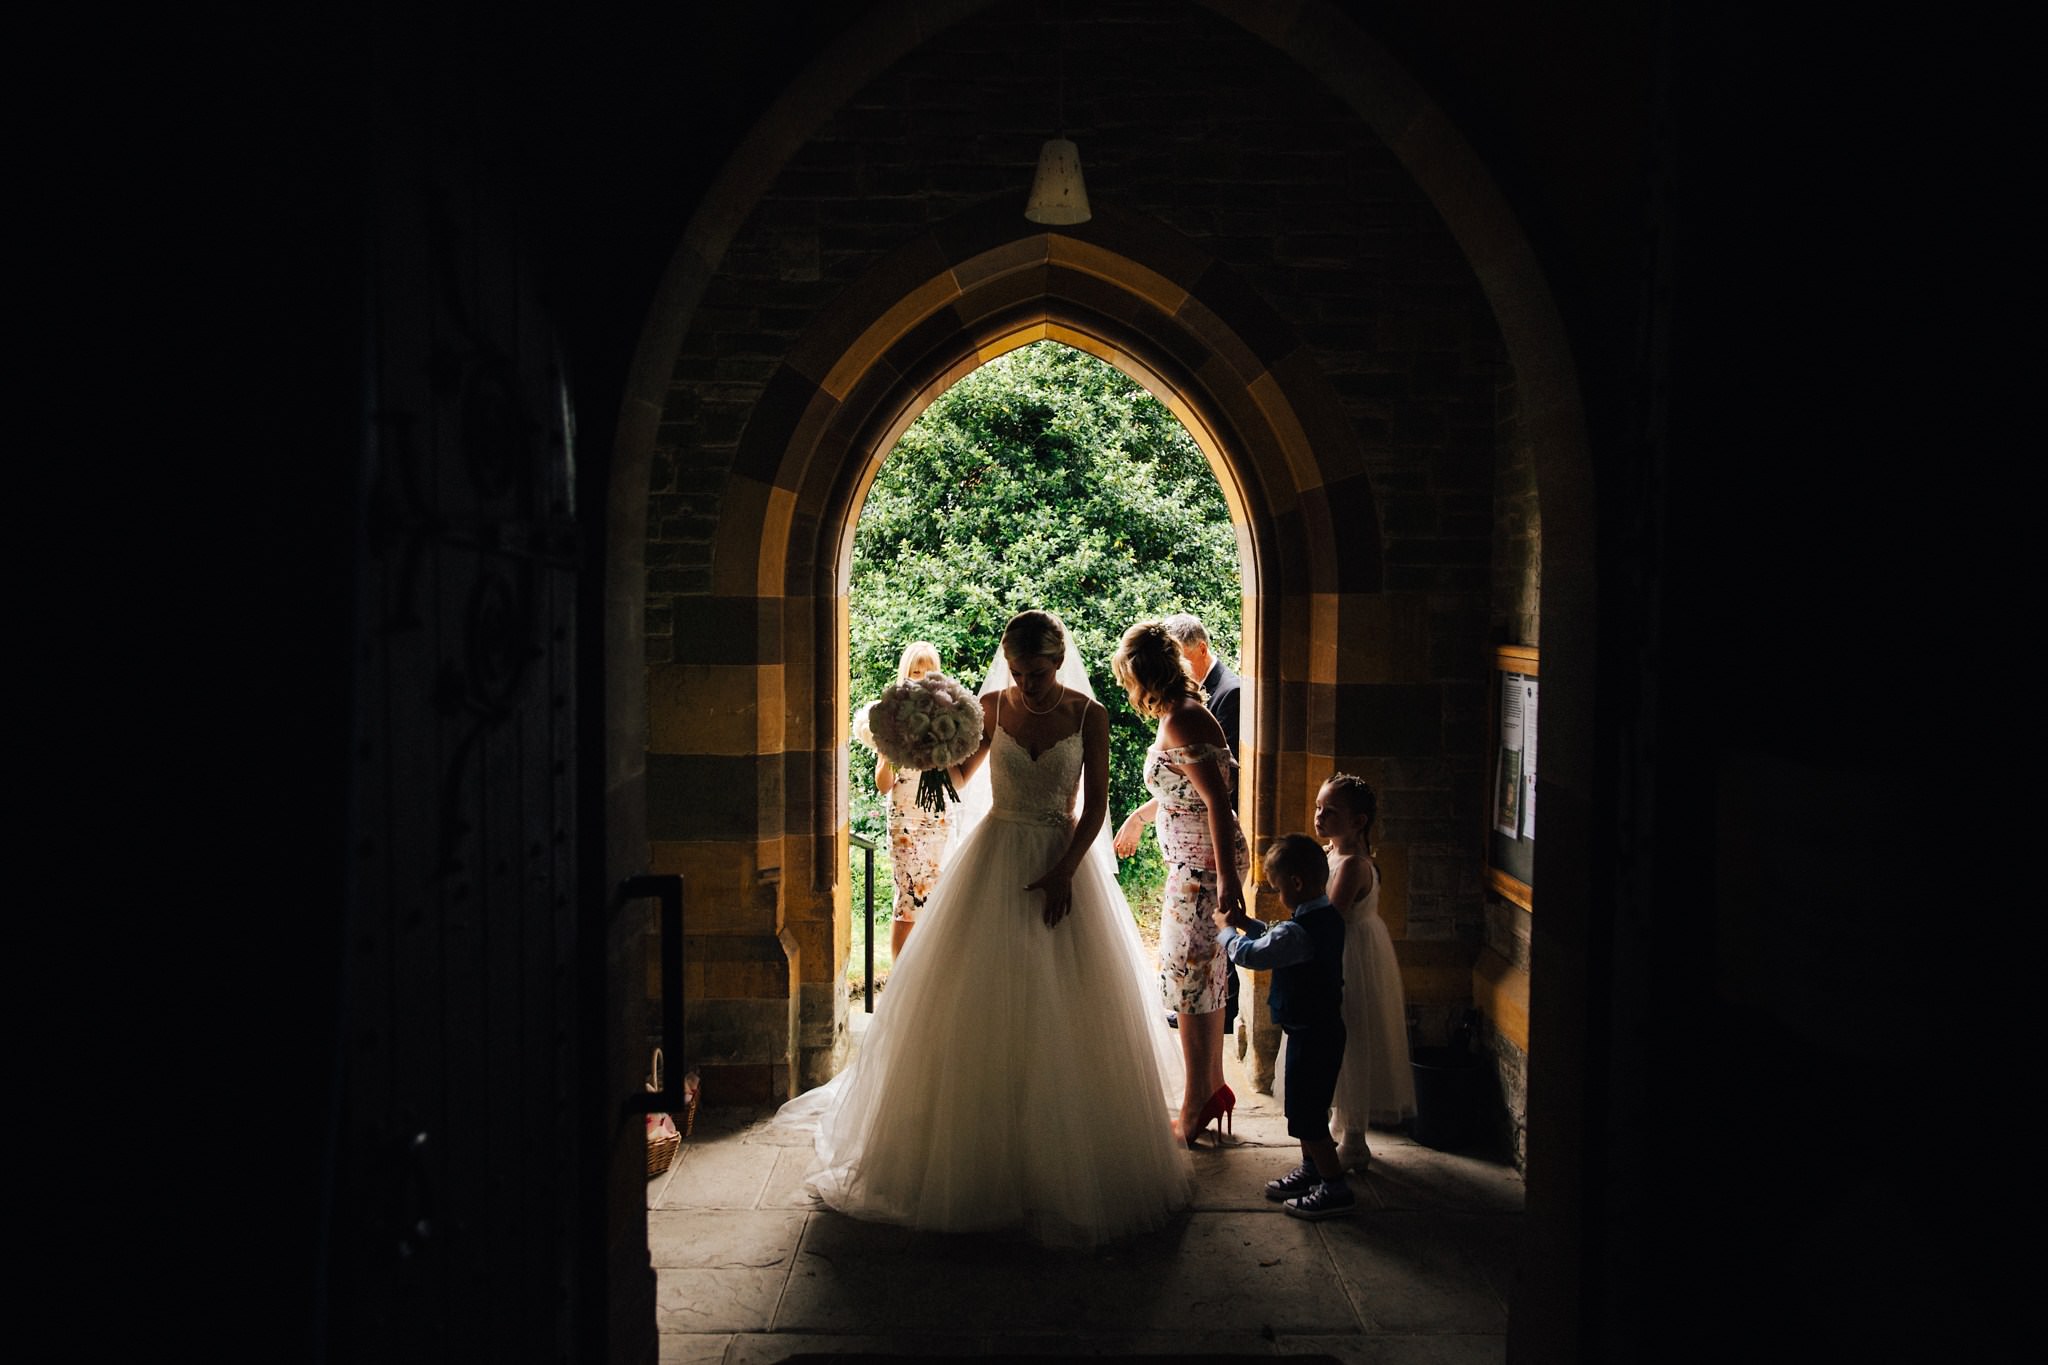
{"x": 1040, "y": 791}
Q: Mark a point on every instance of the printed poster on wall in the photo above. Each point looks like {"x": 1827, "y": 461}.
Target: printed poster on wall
{"x": 1507, "y": 764}
{"x": 1528, "y": 687}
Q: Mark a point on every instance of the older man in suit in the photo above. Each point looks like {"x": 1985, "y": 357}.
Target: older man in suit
{"x": 1217, "y": 678}
{"x": 1221, "y": 685}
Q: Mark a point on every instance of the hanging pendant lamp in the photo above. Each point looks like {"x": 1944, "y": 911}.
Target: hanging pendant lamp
{"x": 1057, "y": 193}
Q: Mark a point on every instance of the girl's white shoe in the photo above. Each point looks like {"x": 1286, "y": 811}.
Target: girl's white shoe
{"x": 1352, "y": 1153}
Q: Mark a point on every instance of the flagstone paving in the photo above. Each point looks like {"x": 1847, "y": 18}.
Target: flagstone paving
{"x": 750, "y": 1268}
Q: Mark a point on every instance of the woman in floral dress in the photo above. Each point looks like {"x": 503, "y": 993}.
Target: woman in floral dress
{"x": 1189, "y": 769}
{"x": 917, "y": 837}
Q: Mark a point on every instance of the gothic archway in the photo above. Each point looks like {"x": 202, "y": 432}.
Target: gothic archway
{"x": 878, "y": 363}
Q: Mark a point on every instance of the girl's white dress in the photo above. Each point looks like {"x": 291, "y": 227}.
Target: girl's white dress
{"x": 1376, "y": 1083}
{"x": 1014, "y": 1075}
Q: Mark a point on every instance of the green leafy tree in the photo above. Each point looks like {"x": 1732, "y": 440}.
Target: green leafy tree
{"x": 1046, "y": 478}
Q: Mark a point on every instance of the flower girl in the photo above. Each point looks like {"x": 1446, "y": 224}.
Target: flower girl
{"x": 1376, "y": 1083}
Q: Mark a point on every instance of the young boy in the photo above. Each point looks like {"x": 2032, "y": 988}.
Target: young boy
{"x": 1306, "y": 957}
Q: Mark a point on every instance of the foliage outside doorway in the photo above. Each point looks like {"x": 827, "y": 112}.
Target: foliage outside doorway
{"x": 1045, "y": 478}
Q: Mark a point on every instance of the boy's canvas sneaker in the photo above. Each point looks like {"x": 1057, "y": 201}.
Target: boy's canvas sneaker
{"x": 1329, "y": 1199}
{"x": 1300, "y": 1180}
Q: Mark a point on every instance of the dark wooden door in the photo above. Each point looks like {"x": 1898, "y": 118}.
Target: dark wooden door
{"x": 456, "y": 1208}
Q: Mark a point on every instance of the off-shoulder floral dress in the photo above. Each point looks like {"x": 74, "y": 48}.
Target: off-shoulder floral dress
{"x": 1193, "y": 975}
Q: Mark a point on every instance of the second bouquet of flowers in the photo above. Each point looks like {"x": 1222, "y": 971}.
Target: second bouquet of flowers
{"x": 928, "y": 724}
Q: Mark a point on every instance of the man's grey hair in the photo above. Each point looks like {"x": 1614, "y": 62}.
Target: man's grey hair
{"x": 1186, "y": 629}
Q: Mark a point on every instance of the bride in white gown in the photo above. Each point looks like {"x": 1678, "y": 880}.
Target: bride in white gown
{"x": 1015, "y": 1074}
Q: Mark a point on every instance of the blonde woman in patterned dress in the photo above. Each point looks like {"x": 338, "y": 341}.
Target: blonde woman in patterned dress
{"x": 917, "y": 837}
{"x": 1189, "y": 769}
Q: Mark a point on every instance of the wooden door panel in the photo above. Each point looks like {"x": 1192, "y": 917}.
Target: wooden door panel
{"x": 455, "y": 1206}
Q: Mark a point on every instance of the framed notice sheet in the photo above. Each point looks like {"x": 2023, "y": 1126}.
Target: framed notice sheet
{"x": 1511, "y": 798}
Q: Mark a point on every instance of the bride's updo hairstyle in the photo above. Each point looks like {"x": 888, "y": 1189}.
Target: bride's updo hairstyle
{"x": 1150, "y": 665}
{"x": 1036, "y": 634}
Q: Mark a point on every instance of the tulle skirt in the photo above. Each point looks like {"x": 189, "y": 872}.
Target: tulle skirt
{"x": 1377, "y": 1084}
{"x": 1014, "y": 1075}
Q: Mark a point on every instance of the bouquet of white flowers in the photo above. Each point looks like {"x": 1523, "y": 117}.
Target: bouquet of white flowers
{"x": 927, "y": 725}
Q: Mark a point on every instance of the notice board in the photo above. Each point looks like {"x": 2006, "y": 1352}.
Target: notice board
{"x": 1511, "y": 796}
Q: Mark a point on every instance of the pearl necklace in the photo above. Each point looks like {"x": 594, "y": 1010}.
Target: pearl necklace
{"x": 1025, "y": 702}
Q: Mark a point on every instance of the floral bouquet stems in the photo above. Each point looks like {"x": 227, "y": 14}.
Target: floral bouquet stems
{"x": 927, "y": 725}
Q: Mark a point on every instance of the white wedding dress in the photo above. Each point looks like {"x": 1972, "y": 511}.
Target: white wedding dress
{"x": 1014, "y": 1075}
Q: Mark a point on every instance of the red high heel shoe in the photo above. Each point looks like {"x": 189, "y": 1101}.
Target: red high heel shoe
{"x": 1217, "y": 1108}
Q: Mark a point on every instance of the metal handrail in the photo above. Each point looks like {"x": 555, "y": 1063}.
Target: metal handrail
{"x": 868, "y": 978}
{"x": 668, "y": 889}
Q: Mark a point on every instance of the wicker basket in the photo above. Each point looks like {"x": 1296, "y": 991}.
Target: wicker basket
{"x": 662, "y": 1142}
{"x": 689, "y": 1114}
{"x": 662, "y": 1138}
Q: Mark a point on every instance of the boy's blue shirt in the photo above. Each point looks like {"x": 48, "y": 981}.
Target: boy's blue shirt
{"x": 1275, "y": 945}
{"x": 1306, "y": 957}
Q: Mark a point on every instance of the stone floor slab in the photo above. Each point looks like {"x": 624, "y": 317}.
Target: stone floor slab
{"x": 726, "y": 1121}
{"x": 785, "y": 1188}
{"x": 719, "y": 1175}
{"x": 1494, "y": 1242}
{"x": 694, "y": 1348}
{"x": 657, "y": 1186}
{"x": 773, "y": 1348}
{"x": 1180, "y": 1345}
{"x": 1411, "y": 1176}
{"x": 1213, "y": 1272}
{"x": 1203, "y": 1273}
{"x": 855, "y": 1277}
{"x": 1235, "y": 1177}
{"x": 1400, "y": 1350}
{"x": 1406, "y": 1272}
{"x": 698, "y": 1301}
{"x": 722, "y": 1239}
{"x": 767, "y": 1132}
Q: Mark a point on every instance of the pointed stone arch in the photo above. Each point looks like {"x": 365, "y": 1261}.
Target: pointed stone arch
{"x": 1133, "y": 294}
